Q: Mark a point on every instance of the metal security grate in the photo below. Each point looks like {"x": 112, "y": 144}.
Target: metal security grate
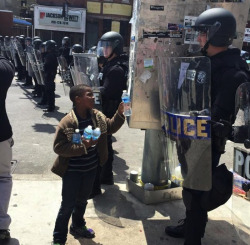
{"x": 13, "y": 165}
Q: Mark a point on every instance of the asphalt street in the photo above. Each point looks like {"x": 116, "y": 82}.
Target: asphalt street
{"x": 116, "y": 216}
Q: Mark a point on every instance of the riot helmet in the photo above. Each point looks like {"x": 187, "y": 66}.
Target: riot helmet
{"x": 77, "y": 48}
{"x": 50, "y": 46}
{"x": 92, "y": 50}
{"x": 42, "y": 47}
{"x": 65, "y": 42}
{"x": 36, "y": 37}
{"x": 219, "y": 25}
{"x": 28, "y": 41}
{"x": 111, "y": 40}
{"x": 22, "y": 36}
{"x": 21, "y": 40}
{"x": 37, "y": 43}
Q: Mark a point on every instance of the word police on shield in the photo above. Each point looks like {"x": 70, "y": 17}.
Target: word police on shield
{"x": 242, "y": 163}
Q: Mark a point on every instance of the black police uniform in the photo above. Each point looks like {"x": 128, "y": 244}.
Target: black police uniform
{"x": 50, "y": 70}
{"x": 65, "y": 52}
{"x": 113, "y": 82}
{"x": 7, "y": 72}
{"x": 228, "y": 71}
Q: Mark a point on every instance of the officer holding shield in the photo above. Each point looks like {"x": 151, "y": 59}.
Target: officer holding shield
{"x": 216, "y": 29}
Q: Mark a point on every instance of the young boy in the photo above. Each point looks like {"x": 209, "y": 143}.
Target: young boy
{"x": 77, "y": 163}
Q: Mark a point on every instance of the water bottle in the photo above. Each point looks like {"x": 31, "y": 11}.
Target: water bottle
{"x": 96, "y": 133}
{"x": 127, "y": 103}
{"x": 87, "y": 134}
{"x": 76, "y": 139}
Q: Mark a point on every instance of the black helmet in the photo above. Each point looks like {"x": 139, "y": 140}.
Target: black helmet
{"x": 219, "y": 24}
{"x": 37, "y": 43}
{"x": 42, "y": 47}
{"x": 77, "y": 48}
{"x": 112, "y": 39}
{"x": 50, "y": 46}
{"x": 21, "y": 39}
{"x": 65, "y": 42}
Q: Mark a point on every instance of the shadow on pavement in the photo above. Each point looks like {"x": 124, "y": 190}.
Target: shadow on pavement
{"x": 11, "y": 241}
{"x": 114, "y": 204}
{"x": 119, "y": 167}
{"x": 44, "y": 128}
{"x": 83, "y": 241}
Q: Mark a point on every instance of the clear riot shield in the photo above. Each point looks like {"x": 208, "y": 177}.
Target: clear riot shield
{"x": 184, "y": 84}
{"x": 65, "y": 74}
{"x": 241, "y": 165}
{"x": 33, "y": 64}
{"x": 20, "y": 52}
{"x": 86, "y": 72}
{"x": 40, "y": 65}
{"x": 13, "y": 52}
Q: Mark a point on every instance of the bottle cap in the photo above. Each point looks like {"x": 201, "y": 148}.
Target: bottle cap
{"x": 124, "y": 91}
{"x": 90, "y": 127}
{"x": 77, "y": 130}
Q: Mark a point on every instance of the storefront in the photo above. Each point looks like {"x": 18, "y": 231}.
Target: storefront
{"x": 55, "y": 23}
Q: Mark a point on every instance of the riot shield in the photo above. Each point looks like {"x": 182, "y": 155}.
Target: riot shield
{"x": 20, "y": 51}
{"x": 33, "y": 64}
{"x": 86, "y": 72}
{"x": 65, "y": 74}
{"x": 13, "y": 52}
{"x": 241, "y": 164}
{"x": 86, "y": 69}
{"x": 185, "y": 108}
{"x": 39, "y": 65}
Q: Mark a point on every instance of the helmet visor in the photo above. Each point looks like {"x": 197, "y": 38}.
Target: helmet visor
{"x": 107, "y": 47}
{"x": 201, "y": 35}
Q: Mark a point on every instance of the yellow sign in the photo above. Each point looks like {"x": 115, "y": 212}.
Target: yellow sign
{"x": 115, "y": 26}
{"x": 93, "y": 7}
{"x": 117, "y": 9}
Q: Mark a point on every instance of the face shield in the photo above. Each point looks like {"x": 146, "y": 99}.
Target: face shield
{"x": 199, "y": 37}
{"x": 107, "y": 47}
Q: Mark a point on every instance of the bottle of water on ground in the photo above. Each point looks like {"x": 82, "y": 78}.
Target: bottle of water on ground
{"x": 127, "y": 103}
{"x": 76, "y": 139}
{"x": 87, "y": 134}
{"x": 96, "y": 134}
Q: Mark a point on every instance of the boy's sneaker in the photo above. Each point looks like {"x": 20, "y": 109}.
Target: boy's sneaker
{"x": 81, "y": 232}
{"x": 4, "y": 234}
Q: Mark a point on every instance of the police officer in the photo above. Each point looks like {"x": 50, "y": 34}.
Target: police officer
{"x": 50, "y": 70}
{"x": 216, "y": 30}
{"x": 28, "y": 73}
{"x": 65, "y": 49}
{"x": 38, "y": 87}
{"x": 113, "y": 81}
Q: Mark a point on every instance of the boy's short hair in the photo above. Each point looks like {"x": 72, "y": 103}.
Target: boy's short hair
{"x": 77, "y": 90}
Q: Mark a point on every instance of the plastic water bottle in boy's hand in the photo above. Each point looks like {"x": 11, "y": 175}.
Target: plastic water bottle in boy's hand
{"x": 87, "y": 134}
{"x": 96, "y": 134}
{"x": 76, "y": 139}
{"x": 127, "y": 103}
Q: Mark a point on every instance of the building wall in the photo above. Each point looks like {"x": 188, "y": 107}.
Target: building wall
{"x": 6, "y": 17}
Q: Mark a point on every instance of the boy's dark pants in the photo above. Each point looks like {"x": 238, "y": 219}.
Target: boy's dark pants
{"x": 76, "y": 188}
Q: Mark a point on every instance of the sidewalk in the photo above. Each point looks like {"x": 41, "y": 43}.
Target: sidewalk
{"x": 116, "y": 216}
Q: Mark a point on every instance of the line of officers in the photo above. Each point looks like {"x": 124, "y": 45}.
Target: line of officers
{"x": 37, "y": 60}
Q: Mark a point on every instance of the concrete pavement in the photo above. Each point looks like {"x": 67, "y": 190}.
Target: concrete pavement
{"x": 116, "y": 216}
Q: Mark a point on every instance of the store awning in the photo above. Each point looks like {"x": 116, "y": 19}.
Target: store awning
{"x": 21, "y": 22}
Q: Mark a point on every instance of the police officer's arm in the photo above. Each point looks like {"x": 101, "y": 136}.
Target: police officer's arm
{"x": 224, "y": 104}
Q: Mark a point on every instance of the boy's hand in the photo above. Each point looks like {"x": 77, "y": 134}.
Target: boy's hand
{"x": 121, "y": 108}
{"x": 89, "y": 143}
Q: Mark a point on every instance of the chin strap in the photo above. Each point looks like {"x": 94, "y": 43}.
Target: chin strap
{"x": 204, "y": 49}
